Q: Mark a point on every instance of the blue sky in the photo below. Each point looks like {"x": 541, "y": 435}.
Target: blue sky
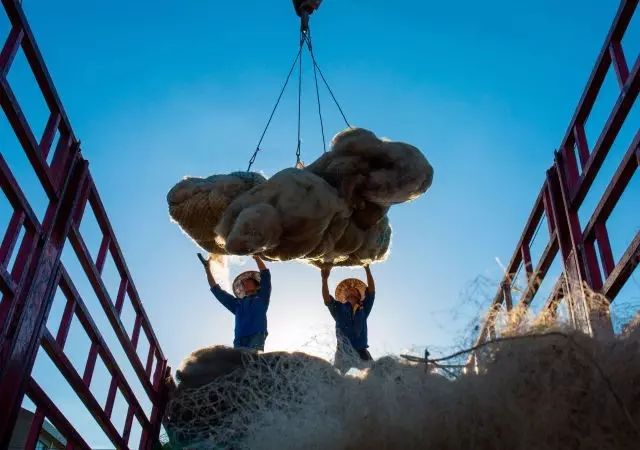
{"x": 159, "y": 90}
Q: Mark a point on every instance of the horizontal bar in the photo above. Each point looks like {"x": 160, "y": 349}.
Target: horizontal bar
{"x": 34, "y": 429}
{"x": 546, "y": 204}
{"x": 623, "y": 269}
{"x": 25, "y": 251}
{"x": 122, "y": 291}
{"x": 506, "y": 292}
{"x": 11, "y": 237}
{"x": 102, "y": 349}
{"x": 149, "y": 438}
{"x": 587, "y": 100}
{"x": 581, "y": 144}
{"x": 103, "y": 297}
{"x": 616, "y": 187}
{"x": 526, "y": 261}
{"x": 83, "y": 198}
{"x": 8, "y": 285}
{"x": 49, "y": 134}
{"x": 135, "y": 335}
{"x": 118, "y": 258}
{"x": 529, "y": 229}
{"x": 65, "y": 152}
{"x": 619, "y": 63}
{"x": 599, "y": 72}
{"x": 159, "y": 370}
{"x": 548, "y": 255}
{"x": 32, "y": 304}
{"x": 65, "y": 322}
{"x": 607, "y": 137}
{"x": 102, "y": 253}
{"x": 127, "y": 425}
{"x": 16, "y": 197}
{"x": 111, "y": 396}
{"x": 38, "y": 66}
{"x": 25, "y": 136}
{"x": 604, "y": 248}
{"x": 90, "y": 366}
{"x": 556, "y": 293}
{"x": 82, "y": 391}
{"x": 55, "y": 416}
{"x": 24, "y": 255}
{"x": 150, "y": 355}
{"x": 9, "y": 50}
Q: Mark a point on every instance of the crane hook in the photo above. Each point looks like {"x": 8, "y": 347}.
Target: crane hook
{"x": 304, "y": 8}
{"x": 308, "y": 6}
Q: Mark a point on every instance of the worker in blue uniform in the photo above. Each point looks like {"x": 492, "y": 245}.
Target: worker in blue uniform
{"x": 350, "y": 308}
{"x": 249, "y": 305}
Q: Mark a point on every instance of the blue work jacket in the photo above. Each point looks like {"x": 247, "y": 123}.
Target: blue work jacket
{"x": 352, "y": 326}
{"x": 250, "y": 311}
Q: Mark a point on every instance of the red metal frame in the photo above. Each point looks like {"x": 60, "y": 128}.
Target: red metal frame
{"x": 29, "y": 287}
{"x": 566, "y": 186}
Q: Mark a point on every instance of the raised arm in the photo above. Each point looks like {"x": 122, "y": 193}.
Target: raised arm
{"x": 371, "y": 292}
{"x": 208, "y": 270}
{"x": 371, "y": 285}
{"x": 324, "y": 272}
{"x": 265, "y": 279}
{"x": 227, "y": 300}
{"x": 260, "y": 263}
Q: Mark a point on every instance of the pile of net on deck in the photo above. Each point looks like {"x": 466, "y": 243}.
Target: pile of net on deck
{"x": 332, "y": 211}
{"x": 543, "y": 391}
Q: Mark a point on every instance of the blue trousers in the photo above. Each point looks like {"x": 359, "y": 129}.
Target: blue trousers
{"x": 252, "y": 342}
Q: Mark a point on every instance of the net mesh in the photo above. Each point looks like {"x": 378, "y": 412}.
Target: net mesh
{"x": 220, "y": 414}
{"x": 539, "y": 386}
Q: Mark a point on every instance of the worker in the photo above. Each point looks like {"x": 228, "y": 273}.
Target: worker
{"x": 350, "y": 309}
{"x": 252, "y": 291}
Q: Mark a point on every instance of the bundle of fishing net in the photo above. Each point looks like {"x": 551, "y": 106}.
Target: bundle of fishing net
{"x": 333, "y": 211}
{"x": 221, "y": 390}
{"x": 552, "y": 389}
{"x": 197, "y": 204}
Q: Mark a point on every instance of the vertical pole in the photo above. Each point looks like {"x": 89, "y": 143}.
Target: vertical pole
{"x": 32, "y": 320}
{"x": 582, "y": 273}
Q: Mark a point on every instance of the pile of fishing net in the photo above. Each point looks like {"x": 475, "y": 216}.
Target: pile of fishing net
{"x": 220, "y": 385}
{"x": 550, "y": 390}
{"x": 332, "y": 211}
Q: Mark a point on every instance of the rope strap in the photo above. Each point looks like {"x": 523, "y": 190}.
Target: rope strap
{"x": 305, "y": 38}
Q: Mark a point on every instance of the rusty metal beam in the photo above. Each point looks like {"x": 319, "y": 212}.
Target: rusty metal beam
{"x": 607, "y": 137}
{"x": 623, "y": 270}
{"x": 19, "y": 354}
{"x": 37, "y": 274}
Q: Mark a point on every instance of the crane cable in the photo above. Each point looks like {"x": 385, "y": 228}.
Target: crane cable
{"x": 298, "y": 149}
{"x": 305, "y": 38}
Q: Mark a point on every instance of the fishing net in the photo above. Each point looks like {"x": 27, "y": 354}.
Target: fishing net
{"x": 549, "y": 388}
{"x": 219, "y": 414}
{"x": 333, "y": 211}
{"x": 197, "y": 204}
